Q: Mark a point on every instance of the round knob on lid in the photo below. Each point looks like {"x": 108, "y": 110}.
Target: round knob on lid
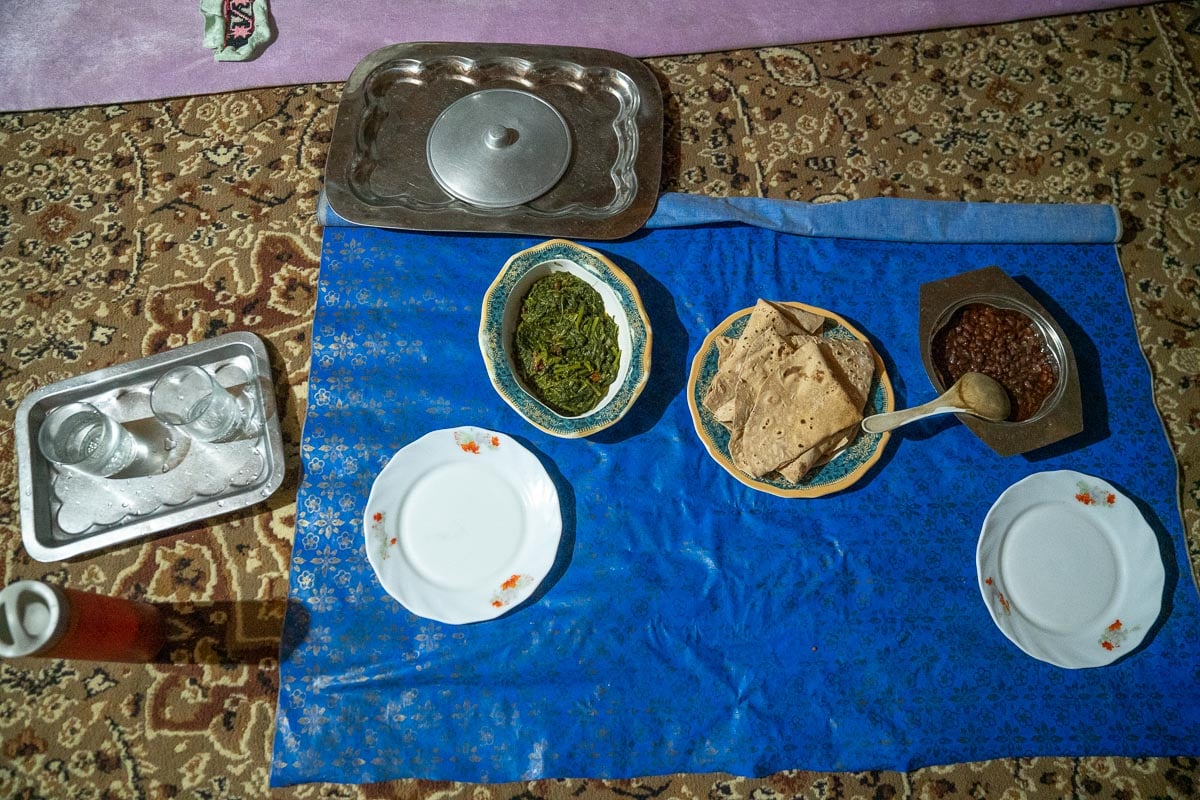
{"x": 499, "y": 136}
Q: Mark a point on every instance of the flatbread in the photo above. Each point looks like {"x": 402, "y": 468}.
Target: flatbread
{"x": 766, "y": 318}
{"x": 766, "y": 348}
{"x": 794, "y": 410}
{"x": 791, "y": 399}
{"x": 821, "y": 454}
{"x": 784, "y": 319}
{"x": 853, "y": 364}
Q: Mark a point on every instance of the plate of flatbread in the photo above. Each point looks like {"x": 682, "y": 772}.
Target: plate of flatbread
{"x": 778, "y": 392}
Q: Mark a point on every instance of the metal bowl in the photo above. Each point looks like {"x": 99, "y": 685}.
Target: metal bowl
{"x": 1061, "y": 413}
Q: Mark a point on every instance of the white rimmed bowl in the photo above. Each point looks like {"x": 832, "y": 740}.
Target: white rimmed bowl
{"x": 498, "y": 323}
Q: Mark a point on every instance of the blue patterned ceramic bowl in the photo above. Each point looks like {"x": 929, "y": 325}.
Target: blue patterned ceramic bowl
{"x": 845, "y": 469}
{"x": 502, "y": 305}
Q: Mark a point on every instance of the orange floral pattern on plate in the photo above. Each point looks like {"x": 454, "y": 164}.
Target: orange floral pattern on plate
{"x": 1095, "y": 496}
{"x": 510, "y": 590}
{"x": 999, "y": 596}
{"x": 1115, "y": 634}
{"x": 470, "y": 442}
{"x": 377, "y": 528}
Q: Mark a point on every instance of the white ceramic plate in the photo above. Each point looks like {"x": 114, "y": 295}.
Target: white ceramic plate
{"x": 1069, "y": 569}
{"x": 462, "y": 525}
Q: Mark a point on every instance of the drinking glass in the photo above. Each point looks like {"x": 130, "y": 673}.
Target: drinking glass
{"x": 80, "y": 436}
{"x": 189, "y": 399}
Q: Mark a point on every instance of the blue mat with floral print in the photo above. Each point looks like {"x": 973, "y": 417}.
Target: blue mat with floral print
{"x": 692, "y": 623}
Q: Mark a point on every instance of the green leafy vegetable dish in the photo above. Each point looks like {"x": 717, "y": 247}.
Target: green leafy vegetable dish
{"x": 566, "y": 344}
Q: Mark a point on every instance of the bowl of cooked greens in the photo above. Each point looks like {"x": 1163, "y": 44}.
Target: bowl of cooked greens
{"x": 565, "y": 338}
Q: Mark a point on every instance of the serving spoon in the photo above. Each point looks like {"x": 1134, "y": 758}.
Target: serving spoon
{"x": 974, "y": 393}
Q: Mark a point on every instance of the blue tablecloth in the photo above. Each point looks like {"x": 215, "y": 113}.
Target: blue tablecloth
{"x": 698, "y": 625}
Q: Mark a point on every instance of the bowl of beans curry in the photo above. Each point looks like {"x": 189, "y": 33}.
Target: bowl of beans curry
{"x": 984, "y": 321}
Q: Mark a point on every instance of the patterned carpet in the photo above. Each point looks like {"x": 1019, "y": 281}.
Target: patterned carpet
{"x": 126, "y": 230}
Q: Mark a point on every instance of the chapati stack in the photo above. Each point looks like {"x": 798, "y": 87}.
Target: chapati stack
{"x": 791, "y": 398}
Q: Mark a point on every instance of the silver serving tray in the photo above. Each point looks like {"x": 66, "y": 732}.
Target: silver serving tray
{"x": 378, "y": 172}
{"x": 65, "y": 513}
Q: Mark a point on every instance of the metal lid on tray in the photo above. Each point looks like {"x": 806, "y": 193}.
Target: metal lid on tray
{"x": 499, "y": 148}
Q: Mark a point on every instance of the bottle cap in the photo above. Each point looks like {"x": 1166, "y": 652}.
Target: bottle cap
{"x": 32, "y": 618}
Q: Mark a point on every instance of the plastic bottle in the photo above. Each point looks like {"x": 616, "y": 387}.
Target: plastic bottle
{"x": 37, "y": 619}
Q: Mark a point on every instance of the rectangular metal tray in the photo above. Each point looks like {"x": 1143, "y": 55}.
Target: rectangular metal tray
{"x": 65, "y": 513}
{"x": 378, "y": 174}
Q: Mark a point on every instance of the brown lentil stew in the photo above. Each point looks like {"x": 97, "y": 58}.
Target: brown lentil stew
{"x": 1002, "y": 343}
